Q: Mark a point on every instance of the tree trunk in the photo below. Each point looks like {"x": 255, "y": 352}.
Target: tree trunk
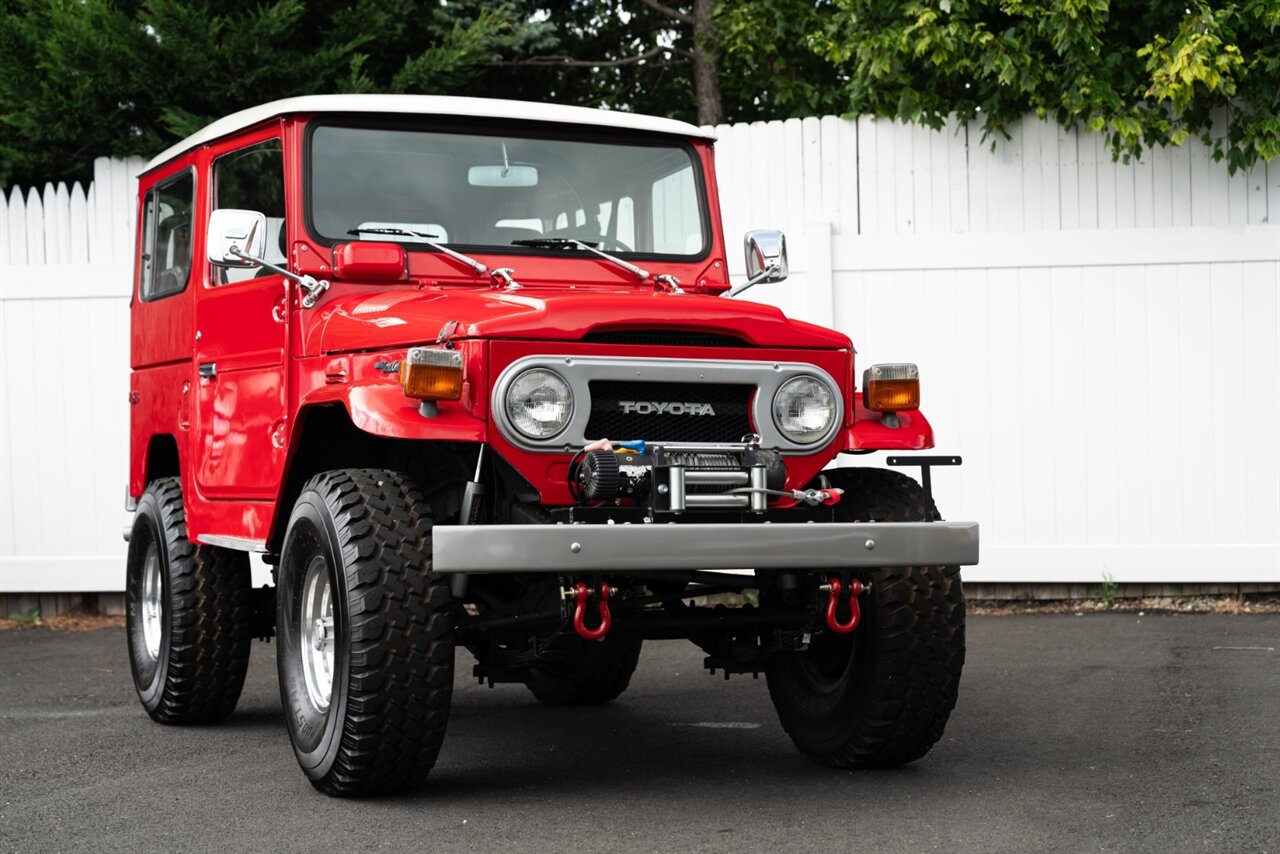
{"x": 706, "y": 64}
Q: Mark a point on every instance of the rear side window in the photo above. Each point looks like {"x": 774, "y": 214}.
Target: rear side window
{"x": 252, "y": 179}
{"x": 166, "y": 254}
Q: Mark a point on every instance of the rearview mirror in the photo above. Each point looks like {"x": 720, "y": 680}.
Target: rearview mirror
{"x": 243, "y": 231}
{"x": 503, "y": 176}
{"x": 766, "y": 256}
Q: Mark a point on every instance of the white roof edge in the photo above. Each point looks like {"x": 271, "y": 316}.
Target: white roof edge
{"x": 439, "y": 105}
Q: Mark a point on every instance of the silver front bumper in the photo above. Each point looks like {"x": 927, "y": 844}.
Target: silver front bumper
{"x": 572, "y": 549}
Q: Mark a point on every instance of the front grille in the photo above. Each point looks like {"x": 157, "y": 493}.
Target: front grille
{"x": 664, "y": 338}
{"x": 731, "y": 403}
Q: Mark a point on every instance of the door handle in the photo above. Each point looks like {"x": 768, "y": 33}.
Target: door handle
{"x": 208, "y": 370}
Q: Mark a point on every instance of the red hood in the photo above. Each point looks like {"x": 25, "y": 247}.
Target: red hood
{"x": 388, "y": 319}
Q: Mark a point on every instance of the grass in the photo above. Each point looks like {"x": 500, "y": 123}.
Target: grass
{"x": 1108, "y": 591}
{"x": 29, "y": 617}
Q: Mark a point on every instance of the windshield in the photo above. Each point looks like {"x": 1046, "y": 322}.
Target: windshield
{"x": 493, "y": 190}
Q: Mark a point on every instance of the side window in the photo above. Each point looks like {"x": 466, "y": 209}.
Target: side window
{"x": 252, "y": 179}
{"x": 166, "y": 260}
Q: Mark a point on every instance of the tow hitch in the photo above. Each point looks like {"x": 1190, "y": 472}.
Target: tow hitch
{"x": 580, "y": 593}
{"x": 832, "y": 588}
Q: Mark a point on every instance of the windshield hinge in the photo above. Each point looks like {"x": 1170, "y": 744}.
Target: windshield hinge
{"x": 667, "y": 283}
{"x": 504, "y": 279}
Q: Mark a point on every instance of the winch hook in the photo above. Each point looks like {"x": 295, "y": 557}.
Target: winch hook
{"x": 580, "y": 594}
{"x": 832, "y": 589}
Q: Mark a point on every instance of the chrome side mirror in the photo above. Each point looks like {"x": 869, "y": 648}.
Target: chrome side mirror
{"x": 766, "y": 253}
{"x": 236, "y": 238}
{"x": 239, "y": 239}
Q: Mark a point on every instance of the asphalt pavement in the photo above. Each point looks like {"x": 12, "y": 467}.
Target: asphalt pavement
{"x": 1104, "y": 732}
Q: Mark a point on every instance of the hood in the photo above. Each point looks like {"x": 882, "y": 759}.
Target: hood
{"x": 389, "y": 319}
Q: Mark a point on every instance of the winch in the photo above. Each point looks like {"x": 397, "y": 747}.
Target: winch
{"x": 671, "y": 478}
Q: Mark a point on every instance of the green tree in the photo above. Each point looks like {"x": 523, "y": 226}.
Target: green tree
{"x": 82, "y": 78}
{"x": 776, "y": 66}
{"x": 640, "y": 55}
{"x": 1146, "y": 73}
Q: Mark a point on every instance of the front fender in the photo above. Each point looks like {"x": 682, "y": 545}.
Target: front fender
{"x": 869, "y": 433}
{"x": 381, "y": 408}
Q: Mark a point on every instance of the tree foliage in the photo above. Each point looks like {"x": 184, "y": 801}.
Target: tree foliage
{"x": 82, "y": 78}
{"x": 1147, "y": 73}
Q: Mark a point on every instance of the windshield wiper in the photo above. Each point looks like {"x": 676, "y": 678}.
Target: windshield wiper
{"x": 565, "y": 242}
{"x": 555, "y": 242}
{"x": 480, "y": 269}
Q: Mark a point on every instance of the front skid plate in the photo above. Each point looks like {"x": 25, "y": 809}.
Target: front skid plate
{"x": 620, "y": 548}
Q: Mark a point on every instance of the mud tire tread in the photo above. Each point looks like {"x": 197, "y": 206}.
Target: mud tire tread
{"x": 919, "y": 623}
{"x": 208, "y": 615}
{"x": 401, "y": 660}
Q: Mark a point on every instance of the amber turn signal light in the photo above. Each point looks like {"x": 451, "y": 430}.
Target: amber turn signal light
{"x": 891, "y": 388}
{"x": 431, "y": 374}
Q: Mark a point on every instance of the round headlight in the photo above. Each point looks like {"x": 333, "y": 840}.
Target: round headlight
{"x": 539, "y": 403}
{"x": 804, "y": 409}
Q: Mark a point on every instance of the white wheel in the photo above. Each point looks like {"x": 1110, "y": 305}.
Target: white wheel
{"x": 316, "y": 637}
{"x": 152, "y": 603}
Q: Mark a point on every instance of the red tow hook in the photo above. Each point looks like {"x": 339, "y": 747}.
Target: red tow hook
{"x": 580, "y": 594}
{"x": 832, "y": 588}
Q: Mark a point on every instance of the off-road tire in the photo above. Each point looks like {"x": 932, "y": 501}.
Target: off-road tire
{"x": 881, "y": 696}
{"x": 393, "y": 644}
{"x": 204, "y": 615}
{"x": 597, "y": 672}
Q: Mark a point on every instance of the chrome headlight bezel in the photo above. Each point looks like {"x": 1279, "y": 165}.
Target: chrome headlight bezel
{"x": 826, "y": 396}
{"x": 549, "y": 380}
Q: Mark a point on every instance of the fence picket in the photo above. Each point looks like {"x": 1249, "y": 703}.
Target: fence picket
{"x": 63, "y": 200}
{"x": 847, "y": 182}
{"x": 924, "y": 198}
{"x": 1161, "y": 187}
{"x": 35, "y": 228}
{"x": 91, "y": 220}
{"x": 1068, "y": 179}
{"x": 829, "y": 172}
{"x": 1032, "y": 194}
{"x": 78, "y": 217}
{"x": 52, "y": 225}
{"x": 122, "y": 189}
{"x": 1107, "y": 180}
{"x": 5, "y": 258}
{"x": 868, "y": 179}
{"x": 957, "y": 172}
{"x": 1202, "y": 212}
{"x": 17, "y": 227}
{"x": 105, "y": 206}
{"x": 1144, "y": 190}
{"x": 811, "y": 163}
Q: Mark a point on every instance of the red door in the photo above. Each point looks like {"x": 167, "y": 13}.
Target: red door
{"x": 242, "y": 335}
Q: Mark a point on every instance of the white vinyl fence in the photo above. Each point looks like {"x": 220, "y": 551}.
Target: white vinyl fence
{"x": 1097, "y": 340}
{"x": 65, "y": 272}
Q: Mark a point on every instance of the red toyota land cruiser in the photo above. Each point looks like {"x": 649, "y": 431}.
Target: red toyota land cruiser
{"x": 472, "y": 372}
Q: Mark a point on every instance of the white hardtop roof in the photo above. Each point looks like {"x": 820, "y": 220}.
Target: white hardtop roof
{"x": 441, "y": 105}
